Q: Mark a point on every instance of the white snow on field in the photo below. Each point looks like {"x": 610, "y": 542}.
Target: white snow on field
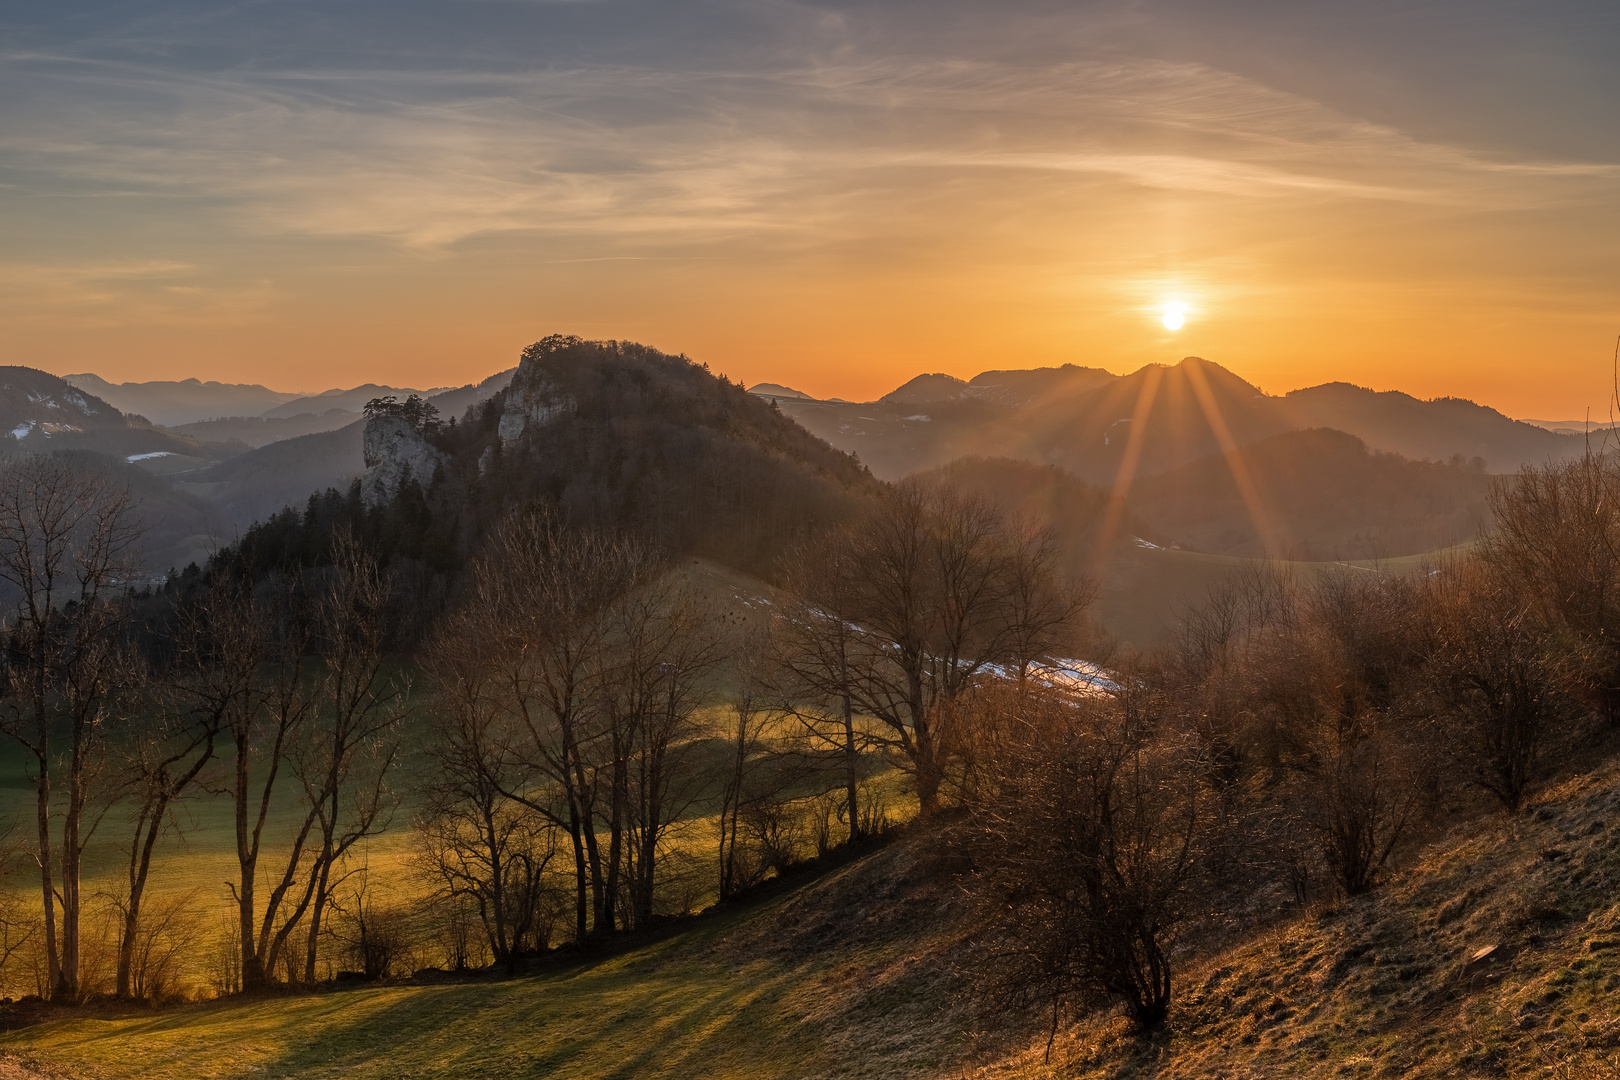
{"x": 22, "y": 429}
{"x": 1076, "y": 676}
{"x": 1080, "y": 677}
{"x": 919, "y": 416}
{"x": 148, "y": 457}
{"x": 1141, "y": 543}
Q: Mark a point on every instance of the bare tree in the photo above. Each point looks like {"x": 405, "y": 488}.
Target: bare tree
{"x": 816, "y": 638}
{"x": 663, "y": 649}
{"x": 479, "y": 844}
{"x": 345, "y": 762}
{"x": 940, "y": 590}
{"x": 527, "y": 646}
{"x": 165, "y": 759}
{"x": 750, "y": 657}
{"x": 67, "y": 535}
{"x": 248, "y": 670}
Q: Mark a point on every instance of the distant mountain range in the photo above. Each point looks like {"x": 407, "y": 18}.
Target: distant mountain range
{"x": 255, "y": 484}
{"x": 202, "y": 483}
{"x": 190, "y": 401}
{"x": 1189, "y": 467}
{"x": 1091, "y": 422}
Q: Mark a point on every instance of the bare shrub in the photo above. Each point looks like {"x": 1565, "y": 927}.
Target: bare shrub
{"x": 1493, "y": 679}
{"x": 874, "y": 810}
{"x": 1087, "y": 845}
{"x": 376, "y": 938}
{"x": 455, "y": 933}
{"x": 152, "y": 962}
{"x": 1557, "y": 546}
{"x": 224, "y": 959}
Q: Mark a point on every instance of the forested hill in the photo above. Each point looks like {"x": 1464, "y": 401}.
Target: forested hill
{"x": 611, "y": 434}
{"x": 620, "y": 435}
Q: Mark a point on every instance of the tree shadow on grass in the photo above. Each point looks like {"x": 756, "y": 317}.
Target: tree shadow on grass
{"x": 700, "y": 1023}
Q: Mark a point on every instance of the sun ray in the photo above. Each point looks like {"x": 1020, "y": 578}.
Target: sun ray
{"x": 1269, "y": 538}
{"x": 1127, "y": 468}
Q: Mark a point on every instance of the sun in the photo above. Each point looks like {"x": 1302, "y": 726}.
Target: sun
{"x": 1175, "y": 313}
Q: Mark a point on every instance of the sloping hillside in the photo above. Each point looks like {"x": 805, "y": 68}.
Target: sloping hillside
{"x": 1497, "y": 953}
{"x": 794, "y": 987}
{"x": 284, "y": 473}
{"x": 41, "y": 412}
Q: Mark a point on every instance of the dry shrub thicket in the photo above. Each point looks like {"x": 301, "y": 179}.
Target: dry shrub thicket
{"x": 1293, "y": 741}
{"x": 597, "y": 745}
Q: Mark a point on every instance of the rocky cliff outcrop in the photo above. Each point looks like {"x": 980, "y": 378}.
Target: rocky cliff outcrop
{"x": 532, "y": 401}
{"x": 395, "y": 448}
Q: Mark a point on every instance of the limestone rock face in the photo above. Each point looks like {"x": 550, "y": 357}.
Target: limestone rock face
{"x": 532, "y": 401}
{"x": 393, "y": 448}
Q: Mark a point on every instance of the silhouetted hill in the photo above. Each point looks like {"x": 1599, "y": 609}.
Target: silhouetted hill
{"x": 256, "y": 431}
{"x": 611, "y": 434}
{"x": 1437, "y": 430}
{"x": 622, "y": 435}
{"x": 1082, "y": 419}
{"x": 926, "y": 388}
{"x": 351, "y": 400}
{"x": 1322, "y": 494}
{"x": 255, "y": 485}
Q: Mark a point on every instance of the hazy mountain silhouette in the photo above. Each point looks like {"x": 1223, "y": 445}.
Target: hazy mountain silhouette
{"x": 352, "y": 399}
{"x": 1439, "y": 429}
{"x": 287, "y": 471}
{"x": 182, "y": 402}
{"x": 256, "y": 431}
{"x": 1083, "y": 419}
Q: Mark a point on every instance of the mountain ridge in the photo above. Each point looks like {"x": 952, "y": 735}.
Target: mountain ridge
{"x": 1081, "y": 419}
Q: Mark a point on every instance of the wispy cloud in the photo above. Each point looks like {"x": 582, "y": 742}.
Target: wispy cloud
{"x": 428, "y": 160}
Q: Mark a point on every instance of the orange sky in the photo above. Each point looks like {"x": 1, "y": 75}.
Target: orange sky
{"x": 827, "y": 196}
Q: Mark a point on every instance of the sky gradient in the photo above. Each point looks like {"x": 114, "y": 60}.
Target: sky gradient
{"x": 1414, "y": 196}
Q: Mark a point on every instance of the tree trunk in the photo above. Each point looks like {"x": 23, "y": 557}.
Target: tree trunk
{"x": 53, "y": 969}
{"x": 852, "y": 774}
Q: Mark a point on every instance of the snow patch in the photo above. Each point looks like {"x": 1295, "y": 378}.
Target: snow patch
{"x": 919, "y": 416}
{"x": 21, "y": 430}
{"x": 148, "y": 457}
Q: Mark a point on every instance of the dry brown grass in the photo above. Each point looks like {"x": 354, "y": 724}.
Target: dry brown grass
{"x": 1387, "y": 985}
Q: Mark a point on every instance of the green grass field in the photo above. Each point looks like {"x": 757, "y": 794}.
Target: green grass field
{"x": 720, "y": 999}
